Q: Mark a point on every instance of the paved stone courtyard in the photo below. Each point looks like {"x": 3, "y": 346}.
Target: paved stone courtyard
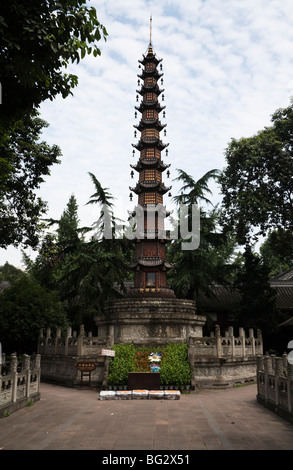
{"x": 75, "y": 419}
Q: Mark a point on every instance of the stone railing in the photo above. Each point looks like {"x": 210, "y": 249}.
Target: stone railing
{"x": 69, "y": 345}
{"x": 275, "y": 385}
{"x": 217, "y": 346}
{"x": 19, "y": 382}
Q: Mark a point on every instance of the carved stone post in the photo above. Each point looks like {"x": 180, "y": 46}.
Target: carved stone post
{"x": 290, "y": 386}
{"x": 57, "y": 337}
{"x": 68, "y": 335}
{"x": 242, "y": 339}
{"x": 80, "y": 341}
{"x": 278, "y": 374}
{"x": 218, "y": 341}
{"x": 26, "y": 367}
{"x": 232, "y": 340}
{"x": 252, "y": 341}
{"x": 13, "y": 371}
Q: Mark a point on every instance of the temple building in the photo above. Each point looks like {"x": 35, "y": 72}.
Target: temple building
{"x": 150, "y": 265}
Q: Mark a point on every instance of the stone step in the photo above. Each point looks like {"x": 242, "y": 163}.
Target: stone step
{"x": 140, "y": 394}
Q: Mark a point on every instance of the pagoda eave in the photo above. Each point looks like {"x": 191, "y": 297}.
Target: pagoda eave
{"x": 150, "y": 163}
{"x": 154, "y": 88}
{"x": 154, "y": 104}
{"x": 145, "y": 187}
{"x": 154, "y": 262}
{"x": 151, "y": 123}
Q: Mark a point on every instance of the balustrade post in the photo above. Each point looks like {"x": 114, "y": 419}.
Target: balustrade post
{"x": 242, "y": 339}
{"x": 290, "y": 386}
{"x": 48, "y": 336}
{"x": 232, "y": 339}
{"x": 26, "y": 368}
{"x": 80, "y": 339}
{"x": 278, "y": 374}
{"x": 13, "y": 371}
{"x": 68, "y": 335}
{"x": 252, "y": 341}
{"x": 218, "y": 341}
{"x": 57, "y": 338}
{"x": 267, "y": 363}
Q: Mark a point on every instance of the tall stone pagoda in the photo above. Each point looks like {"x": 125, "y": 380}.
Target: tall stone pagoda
{"x": 149, "y": 313}
{"x": 150, "y": 265}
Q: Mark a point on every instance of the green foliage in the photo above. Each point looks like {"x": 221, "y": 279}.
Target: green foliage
{"x": 25, "y": 308}
{"x": 24, "y": 161}
{"x": 197, "y": 270}
{"x": 277, "y": 251}
{"x": 121, "y": 364}
{"x": 10, "y": 273}
{"x": 85, "y": 273}
{"x": 257, "y": 183}
{"x": 39, "y": 40}
{"x": 175, "y": 369}
{"x": 257, "y": 306}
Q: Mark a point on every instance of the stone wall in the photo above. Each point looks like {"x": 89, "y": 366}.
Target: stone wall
{"x": 149, "y": 320}
{"x": 215, "y": 360}
{"x": 275, "y": 385}
{"x": 19, "y": 382}
{"x": 224, "y": 361}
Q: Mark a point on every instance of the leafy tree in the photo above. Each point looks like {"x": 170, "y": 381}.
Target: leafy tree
{"x": 257, "y": 183}
{"x": 25, "y": 308}
{"x": 24, "y": 161}
{"x": 277, "y": 251}
{"x": 10, "y": 273}
{"x": 196, "y": 270}
{"x": 84, "y": 272}
{"x": 256, "y": 308}
{"x": 39, "y": 39}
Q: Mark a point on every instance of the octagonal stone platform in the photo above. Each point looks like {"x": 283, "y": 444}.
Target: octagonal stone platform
{"x": 149, "y": 321}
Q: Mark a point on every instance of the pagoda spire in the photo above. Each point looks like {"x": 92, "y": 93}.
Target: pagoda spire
{"x": 150, "y": 264}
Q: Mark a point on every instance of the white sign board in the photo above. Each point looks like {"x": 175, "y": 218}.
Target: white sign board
{"x": 108, "y": 352}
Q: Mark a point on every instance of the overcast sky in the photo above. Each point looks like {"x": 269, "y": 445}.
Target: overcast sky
{"x": 228, "y": 65}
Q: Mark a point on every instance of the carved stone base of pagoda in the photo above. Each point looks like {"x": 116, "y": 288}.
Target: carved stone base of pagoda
{"x": 148, "y": 321}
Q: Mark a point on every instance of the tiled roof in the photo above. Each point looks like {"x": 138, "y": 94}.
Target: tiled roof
{"x": 225, "y": 298}
{"x": 286, "y": 276}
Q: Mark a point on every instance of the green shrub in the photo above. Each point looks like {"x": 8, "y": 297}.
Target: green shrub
{"x": 121, "y": 364}
{"x": 175, "y": 369}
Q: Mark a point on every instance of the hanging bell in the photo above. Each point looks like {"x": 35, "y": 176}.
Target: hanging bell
{"x": 130, "y": 196}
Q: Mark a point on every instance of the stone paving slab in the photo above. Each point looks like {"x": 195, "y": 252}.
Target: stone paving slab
{"x": 73, "y": 419}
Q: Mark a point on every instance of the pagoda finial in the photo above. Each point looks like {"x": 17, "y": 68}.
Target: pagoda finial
{"x": 151, "y": 21}
{"x": 150, "y": 50}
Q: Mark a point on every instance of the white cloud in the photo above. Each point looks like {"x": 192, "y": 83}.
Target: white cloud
{"x": 227, "y": 64}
